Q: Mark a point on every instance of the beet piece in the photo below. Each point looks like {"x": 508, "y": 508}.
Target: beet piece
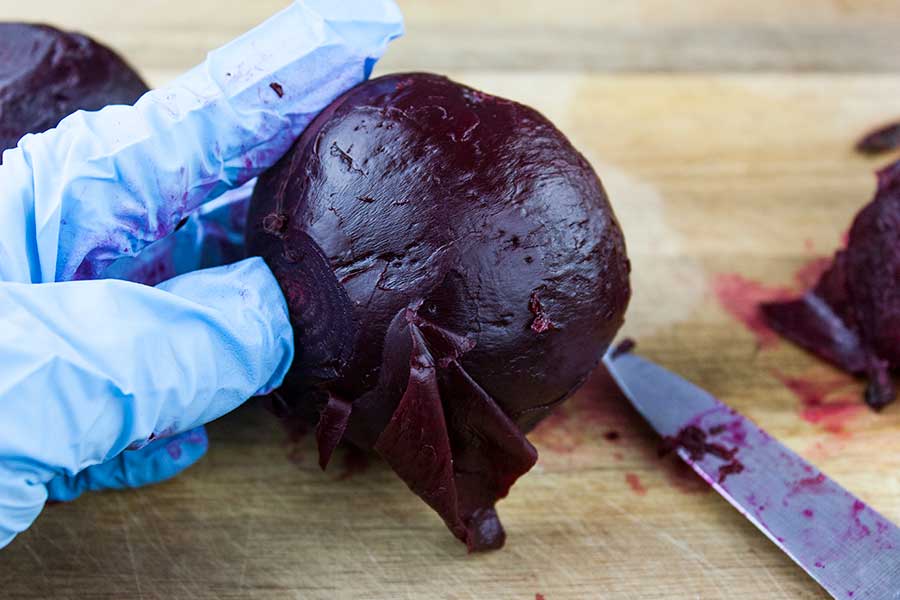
{"x": 851, "y": 318}
{"x": 883, "y": 139}
{"x": 694, "y": 440}
{"x": 468, "y": 274}
{"x": 331, "y": 428}
{"x": 47, "y": 74}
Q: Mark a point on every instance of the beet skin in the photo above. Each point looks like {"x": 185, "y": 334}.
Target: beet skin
{"x": 454, "y": 271}
{"x": 47, "y": 74}
{"x": 851, "y": 318}
{"x": 883, "y": 139}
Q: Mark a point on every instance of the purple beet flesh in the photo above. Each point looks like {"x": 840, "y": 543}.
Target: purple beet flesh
{"x": 851, "y": 318}
{"x": 454, "y": 272}
{"x": 47, "y": 74}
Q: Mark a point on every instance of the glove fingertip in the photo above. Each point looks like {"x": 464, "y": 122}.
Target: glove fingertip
{"x": 170, "y": 457}
{"x": 155, "y": 463}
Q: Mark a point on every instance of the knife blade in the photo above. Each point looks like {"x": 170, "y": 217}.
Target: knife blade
{"x": 852, "y": 551}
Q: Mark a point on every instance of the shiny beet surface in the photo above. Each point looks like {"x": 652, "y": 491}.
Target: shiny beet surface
{"x": 47, "y": 74}
{"x": 476, "y": 274}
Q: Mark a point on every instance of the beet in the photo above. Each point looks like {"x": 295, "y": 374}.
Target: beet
{"x": 851, "y": 317}
{"x": 880, "y": 140}
{"x": 454, "y": 272}
{"x": 47, "y": 74}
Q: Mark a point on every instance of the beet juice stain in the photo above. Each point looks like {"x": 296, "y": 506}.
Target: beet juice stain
{"x": 453, "y": 271}
{"x": 824, "y": 400}
{"x": 634, "y": 482}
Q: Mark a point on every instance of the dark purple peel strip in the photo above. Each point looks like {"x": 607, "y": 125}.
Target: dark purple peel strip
{"x": 881, "y": 390}
{"x": 883, "y": 139}
{"x": 450, "y": 441}
{"x": 490, "y": 453}
{"x": 332, "y": 425}
{"x": 810, "y": 323}
{"x": 415, "y": 442}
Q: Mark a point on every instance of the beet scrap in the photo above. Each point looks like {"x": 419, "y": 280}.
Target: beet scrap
{"x": 695, "y": 442}
{"x": 851, "y": 317}
{"x": 47, "y": 74}
{"x": 883, "y": 139}
{"x": 453, "y": 270}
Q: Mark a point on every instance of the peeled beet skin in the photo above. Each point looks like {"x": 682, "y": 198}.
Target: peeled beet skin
{"x": 47, "y": 74}
{"x": 852, "y": 316}
{"x": 454, "y": 272}
{"x": 883, "y": 139}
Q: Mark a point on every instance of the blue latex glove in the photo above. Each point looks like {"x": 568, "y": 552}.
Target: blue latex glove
{"x": 93, "y": 371}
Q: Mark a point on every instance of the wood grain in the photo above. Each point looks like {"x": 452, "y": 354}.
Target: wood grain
{"x": 564, "y": 35}
{"x": 713, "y": 175}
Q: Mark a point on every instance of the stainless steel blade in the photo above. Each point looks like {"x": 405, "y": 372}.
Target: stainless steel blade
{"x": 845, "y": 545}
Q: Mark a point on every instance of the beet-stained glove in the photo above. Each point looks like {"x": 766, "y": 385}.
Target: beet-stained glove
{"x": 93, "y": 371}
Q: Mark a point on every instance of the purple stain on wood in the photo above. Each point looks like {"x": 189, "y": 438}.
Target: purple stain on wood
{"x": 820, "y": 404}
{"x": 741, "y": 297}
{"x": 634, "y": 482}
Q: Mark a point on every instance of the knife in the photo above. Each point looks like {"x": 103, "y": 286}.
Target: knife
{"x": 846, "y": 546}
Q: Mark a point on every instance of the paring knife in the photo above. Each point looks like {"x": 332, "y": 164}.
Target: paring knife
{"x": 848, "y": 548}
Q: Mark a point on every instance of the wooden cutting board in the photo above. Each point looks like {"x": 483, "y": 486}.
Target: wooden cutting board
{"x": 723, "y": 132}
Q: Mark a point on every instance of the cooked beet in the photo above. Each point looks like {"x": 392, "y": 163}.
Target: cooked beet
{"x": 881, "y": 140}
{"x": 454, "y": 272}
{"x": 851, "y": 318}
{"x": 47, "y": 74}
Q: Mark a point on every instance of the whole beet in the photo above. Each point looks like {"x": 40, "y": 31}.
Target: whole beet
{"x": 454, "y": 271}
{"x": 47, "y": 74}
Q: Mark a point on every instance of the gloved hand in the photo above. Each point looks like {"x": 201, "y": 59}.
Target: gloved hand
{"x": 104, "y": 383}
